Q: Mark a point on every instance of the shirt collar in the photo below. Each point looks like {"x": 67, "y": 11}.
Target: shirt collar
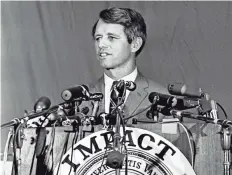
{"x": 130, "y": 77}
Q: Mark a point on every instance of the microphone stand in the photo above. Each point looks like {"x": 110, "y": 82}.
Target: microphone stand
{"x": 117, "y": 145}
{"x": 24, "y": 119}
{"x": 17, "y": 121}
{"x": 17, "y": 133}
{"x": 115, "y": 158}
{"x": 117, "y": 137}
{"x": 226, "y": 145}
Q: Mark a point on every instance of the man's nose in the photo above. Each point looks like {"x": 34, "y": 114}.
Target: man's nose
{"x": 103, "y": 43}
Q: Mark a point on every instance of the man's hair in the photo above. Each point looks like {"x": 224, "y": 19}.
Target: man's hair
{"x": 133, "y": 22}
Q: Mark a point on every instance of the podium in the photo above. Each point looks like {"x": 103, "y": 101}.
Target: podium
{"x": 208, "y": 158}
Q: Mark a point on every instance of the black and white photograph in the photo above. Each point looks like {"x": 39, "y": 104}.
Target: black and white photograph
{"x": 116, "y": 88}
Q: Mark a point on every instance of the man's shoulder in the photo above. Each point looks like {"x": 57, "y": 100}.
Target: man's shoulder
{"x": 95, "y": 85}
{"x": 153, "y": 86}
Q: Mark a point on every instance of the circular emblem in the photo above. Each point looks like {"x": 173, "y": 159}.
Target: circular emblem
{"x": 147, "y": 154}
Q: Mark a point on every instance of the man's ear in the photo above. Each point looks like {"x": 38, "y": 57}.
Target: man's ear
{"x": 136, "y": 44}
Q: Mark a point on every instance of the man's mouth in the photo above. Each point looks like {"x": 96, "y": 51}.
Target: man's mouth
{"x": 103, "y": 54}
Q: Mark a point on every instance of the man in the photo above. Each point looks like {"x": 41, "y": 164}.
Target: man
{"x": 119, "y": 36}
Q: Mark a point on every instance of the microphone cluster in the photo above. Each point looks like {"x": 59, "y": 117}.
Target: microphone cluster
{"x": 172, "y": 101}
{"x": 72, "y": 97}
{"x": 188, "y": 98}
{"x": 161, "y": 103}
{"x": 44, "y": 115}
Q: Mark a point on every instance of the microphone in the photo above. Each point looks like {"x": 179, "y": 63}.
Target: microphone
{"x": 115, "y": 159}
{"x": 75, "y": 92}
{"x": 119, "y": 85}
{"x": 43, "y": 103}
{"x": 102, "y": 118}
{"x": 130, "y": 85}
{"x": 182, "y": 90}
{"x": 171, "y": 101}
{"x": 96, "y": 96}
{"x": 153, "y": 113}
{"x": 95, "y": 108}
{"x": 60, "y": 115}
{"x": 85, "y": 110}
{"x": 213, "y": 112}
{"x": 96, "y": 120}
{"x": 190, "y": 115}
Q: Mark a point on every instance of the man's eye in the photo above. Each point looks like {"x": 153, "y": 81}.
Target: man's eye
{"x": 111, "y": 38}
{"x": 97, "y": 38}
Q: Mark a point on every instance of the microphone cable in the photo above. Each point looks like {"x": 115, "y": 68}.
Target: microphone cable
{"x": 63, "y": 151}
{"x": 38, "y": 135}
{"x": 188, "y": 134}
{"x": 50, "y": 151}
{"x": 73, "y": 141}
{"x": 124, "y": 132}
{"x": 131, "y": 116}
{"x": 123, "y": 126}
{"x": 190, "y": 142}
{"x": 104, "y": 156}
{"x": 32, "y": 163}
{"x": 15, "y": 144}
{"x": 223, "y": 110}
{"x": 124, "y": 138}
{"x": 7, "y": 146}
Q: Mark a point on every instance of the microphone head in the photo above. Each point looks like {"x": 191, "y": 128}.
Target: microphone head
{"x": 85, "y": 110}
{"x": 115, "y": 159}
{"x": 61, "y": 116}
{"x": 120, "y": 85}
{"x": 164, "y": 99}
{"x": 130, "y": 85}
{"x": 152, "y": 96}
{"x": 66, "y": 95}
{"x": 78, "y": 116}
{"x": 43, "y": 103}
{"x": 183, "y": 90}
{"x": 75, "y": 92}
{"x": 161, "y": 98}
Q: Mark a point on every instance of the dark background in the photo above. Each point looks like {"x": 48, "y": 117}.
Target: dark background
{"x": 47, "y": 47}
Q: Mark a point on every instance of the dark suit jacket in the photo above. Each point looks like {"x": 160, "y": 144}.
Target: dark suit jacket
{"x": 136, "y": 101}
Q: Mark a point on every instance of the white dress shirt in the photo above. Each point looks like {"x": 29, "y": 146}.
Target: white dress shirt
{"x": 108, "y": 83}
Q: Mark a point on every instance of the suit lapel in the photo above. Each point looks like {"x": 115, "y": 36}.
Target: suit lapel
{"x": 100, "y": 87}
{"x": 136, "y": 97}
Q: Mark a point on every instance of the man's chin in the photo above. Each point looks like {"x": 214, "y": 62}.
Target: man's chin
{"x": 106, "y": 66}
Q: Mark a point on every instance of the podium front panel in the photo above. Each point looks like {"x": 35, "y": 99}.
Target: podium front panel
{"x": 208, "y": 158}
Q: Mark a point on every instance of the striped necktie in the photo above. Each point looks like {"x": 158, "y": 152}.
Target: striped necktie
{"x": 113, "y": 97}
{"x": 114, "y": 101}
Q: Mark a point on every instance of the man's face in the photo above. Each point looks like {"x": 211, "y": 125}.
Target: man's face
{"x": 112, "y": 47}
